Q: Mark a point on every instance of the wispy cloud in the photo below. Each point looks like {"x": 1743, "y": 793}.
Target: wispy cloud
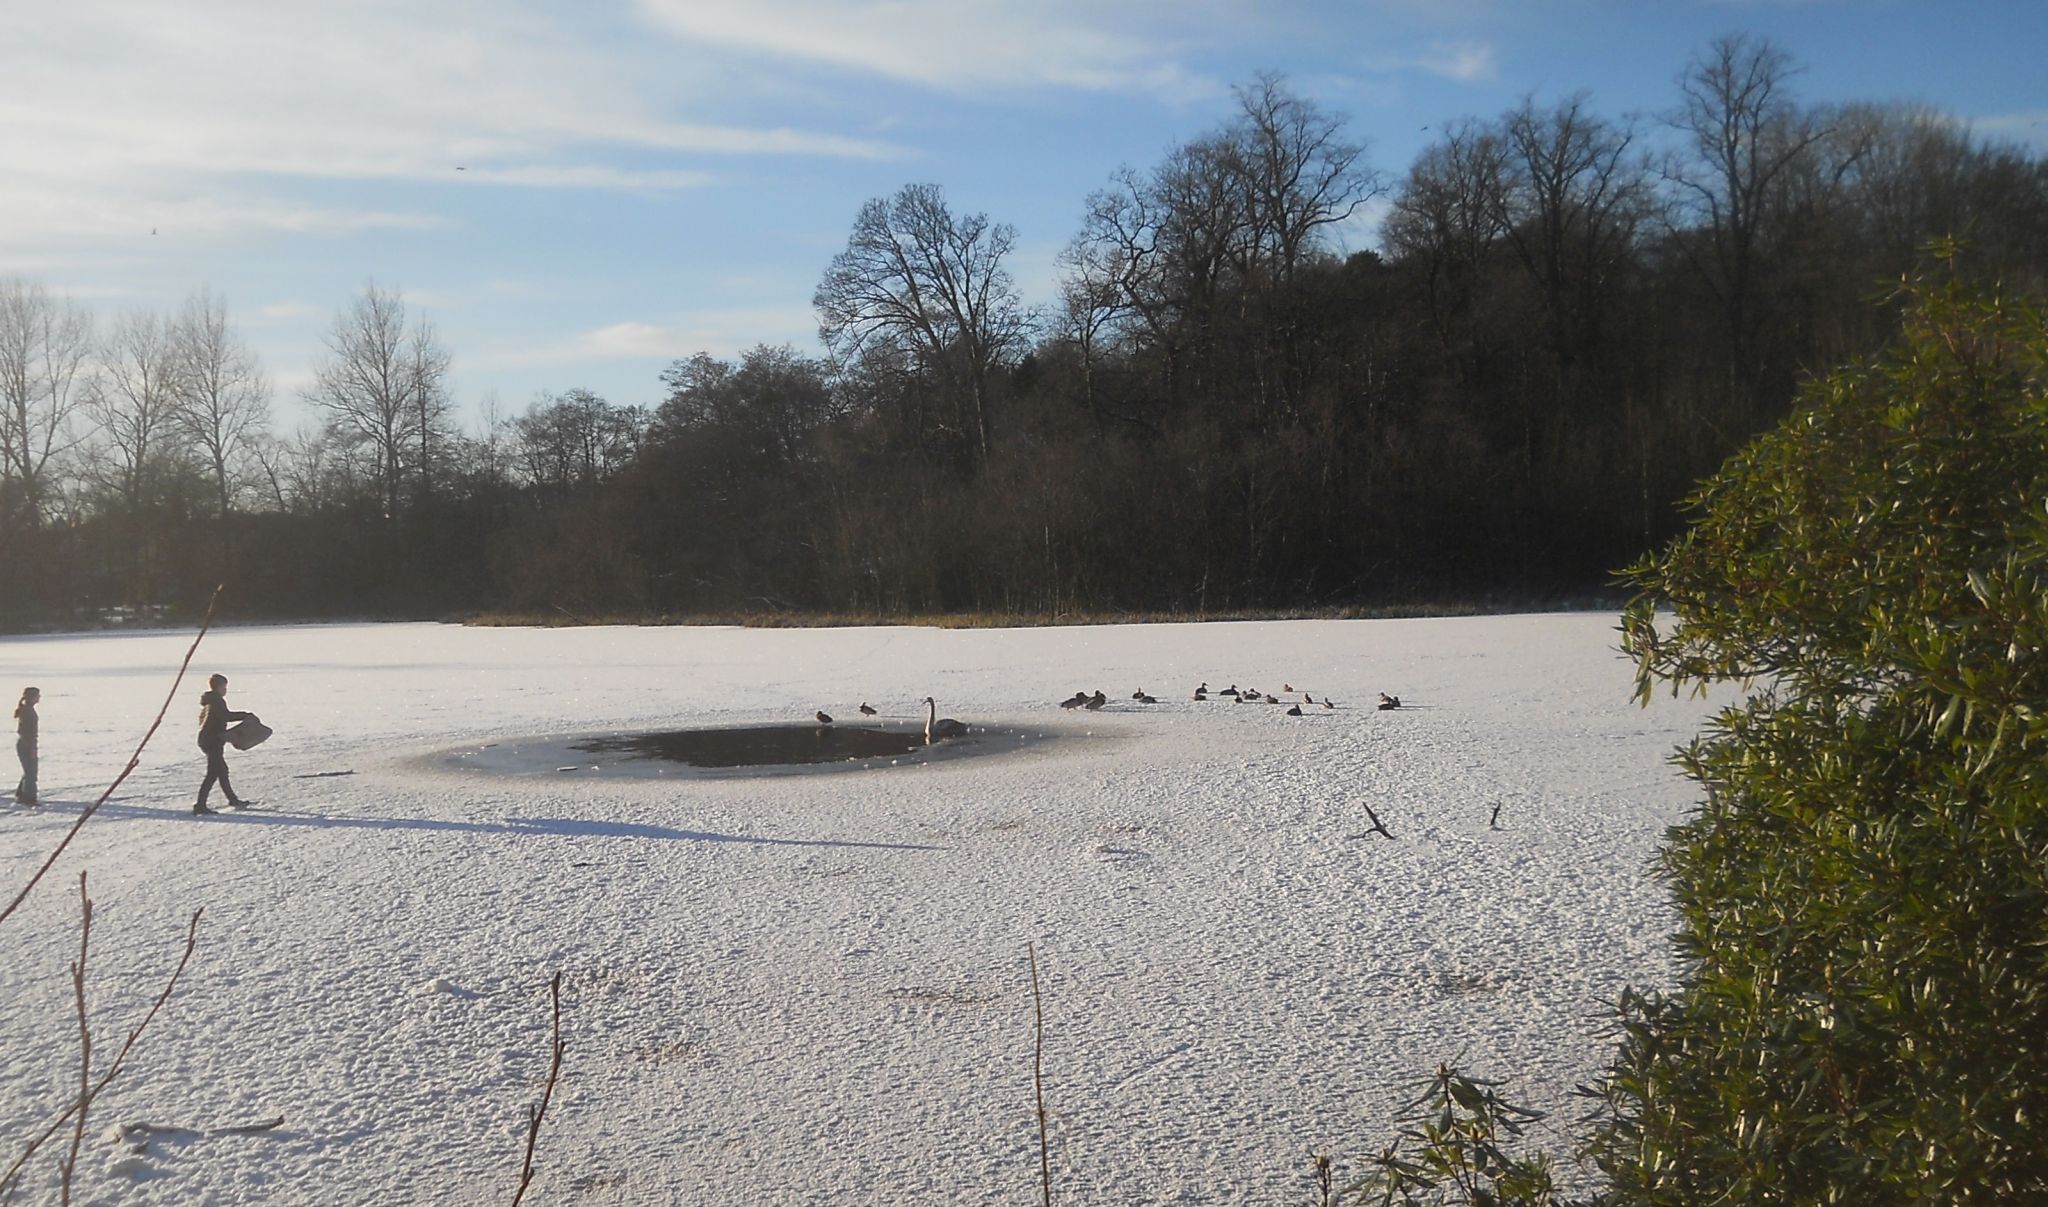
{"x": 723, "y": 332}
{"x": 41, "y": 208}
{"x": 1464, "y": 62}
{"x": 954, "y": 44}
{"x": 2029, "y": 126}
{"x": 222, "y": 106}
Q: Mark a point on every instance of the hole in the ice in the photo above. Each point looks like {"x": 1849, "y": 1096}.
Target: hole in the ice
{"x": 761, "y": 746}
{"x": 743, "y": 750}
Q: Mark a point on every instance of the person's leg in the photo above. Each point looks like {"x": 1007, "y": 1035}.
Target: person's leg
{"x": 216, "y": 770}
{"x": 25, "y": 791}
{"x": 221, "y": 756}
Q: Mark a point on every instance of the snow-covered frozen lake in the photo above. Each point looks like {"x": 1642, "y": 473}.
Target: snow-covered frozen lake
{"x": 813, "y": 988}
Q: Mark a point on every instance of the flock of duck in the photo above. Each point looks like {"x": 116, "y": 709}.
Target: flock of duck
{"x": 1237, "y": 695}
{"x": 938, "y": 728}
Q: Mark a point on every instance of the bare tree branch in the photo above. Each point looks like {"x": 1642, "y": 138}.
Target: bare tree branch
{"x": 113, "y": 1070}
{"x": 1038, "y": 1074}
{"x": 538, "y": 1112}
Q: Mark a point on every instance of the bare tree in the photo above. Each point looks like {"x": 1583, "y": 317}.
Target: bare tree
{"x": 382, "y": 386}
{"x": 44, "y": 344}
{"x": 1449, "y": 217}
{"x": 1576, "y": 200}
{"x": 298, "y": 470}
{"x": 771, "y": 401}
{"x": 1197, "y": 259}
{"x": 934, "y": 285}
{"x": 1300, "y": 174}
{"x": 574, "y": 439}
{"x": 427, "y": 368}
{"x": 135, "y": 400}
{"x": 223, "y": 399}
{"x": 1743, "y": 132}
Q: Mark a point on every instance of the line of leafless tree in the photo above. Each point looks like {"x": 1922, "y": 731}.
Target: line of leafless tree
{"x": 1569, "y": 317}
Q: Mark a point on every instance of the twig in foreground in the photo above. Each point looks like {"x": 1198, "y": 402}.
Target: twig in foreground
{"x": 534, "y": 1114}
{"x": 1038, "y": 1073}
{"x": 7, "y": 1180}
{"x": 84, "y": 1101}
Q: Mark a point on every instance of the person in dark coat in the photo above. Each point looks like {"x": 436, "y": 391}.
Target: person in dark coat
{"x": 25, "y": 724}
{"x": 214, "y": 718}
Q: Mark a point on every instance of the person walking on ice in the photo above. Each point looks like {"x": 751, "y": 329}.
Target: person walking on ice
{"x": 214, "y": 718}
{"x": 25, "y": 744}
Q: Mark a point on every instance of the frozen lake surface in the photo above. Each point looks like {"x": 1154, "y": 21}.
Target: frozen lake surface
{"x": 812, "y": 988}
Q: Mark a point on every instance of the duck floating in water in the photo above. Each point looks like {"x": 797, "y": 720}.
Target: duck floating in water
{"x": 1387, "y": 702}
{"x": 1095, "y": 701}
{"x": 824, "y": 718}
{"x": 865, "y": 710}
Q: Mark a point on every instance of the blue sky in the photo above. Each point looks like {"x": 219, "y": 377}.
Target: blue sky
{"x": 644, "y": 179}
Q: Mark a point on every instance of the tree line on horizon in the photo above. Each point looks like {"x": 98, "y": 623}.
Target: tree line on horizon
{"x": 1570, "y": 319}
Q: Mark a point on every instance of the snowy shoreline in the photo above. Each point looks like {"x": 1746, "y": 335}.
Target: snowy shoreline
{"x": 812, "y": 987}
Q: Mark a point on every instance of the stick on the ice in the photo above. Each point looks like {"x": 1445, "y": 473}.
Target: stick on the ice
{"x": 539, "y": 1111}
{"x": 1038, "y": 1074}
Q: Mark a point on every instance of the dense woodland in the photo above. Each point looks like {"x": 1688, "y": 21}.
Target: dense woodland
{"x": 1571, "y": 317}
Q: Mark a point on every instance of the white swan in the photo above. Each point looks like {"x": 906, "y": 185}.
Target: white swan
{"x": 936, "y": 726}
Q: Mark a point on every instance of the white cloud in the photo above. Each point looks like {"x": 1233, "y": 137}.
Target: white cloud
{"x": 723, "y": 332}
{"x": 1464, "y": 62}
{"x": 41, "y": 209}
{"x": 956, "y": 44}
{"x": 287, "y": 312}
{"x": 1461, "y": 61}
{"x": 117, "y": 109}
{"x": 2029, "y": 127}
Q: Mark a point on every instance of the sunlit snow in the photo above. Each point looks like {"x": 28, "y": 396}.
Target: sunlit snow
{"x": 810, "y": 988}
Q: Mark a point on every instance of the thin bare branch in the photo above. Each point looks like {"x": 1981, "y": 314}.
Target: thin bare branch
{"x": 1038, "y": 1074}
{"x": 534, "y": 1114}
{"x": 120, "y": 1060}
{"x": 84, "y": 1102}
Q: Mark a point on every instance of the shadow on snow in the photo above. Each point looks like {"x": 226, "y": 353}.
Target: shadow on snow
{"x": 525, "y": 827}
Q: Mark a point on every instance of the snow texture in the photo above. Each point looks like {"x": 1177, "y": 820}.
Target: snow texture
{"x": 813, "y": 988}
